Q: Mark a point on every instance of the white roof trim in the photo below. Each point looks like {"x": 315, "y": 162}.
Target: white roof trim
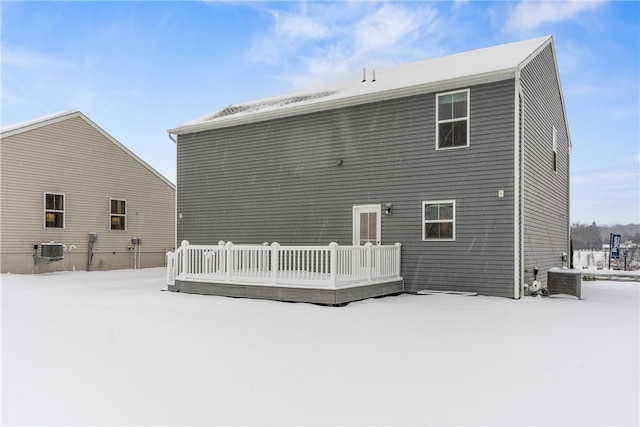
{"x": 549, "y": 42}
{"x": 564, "y": 108}
{"x": 330, "y": 104}
{"x": 36, "y": 123}
{"x": 65, "y": 115}
{"x": 446, "y": 72}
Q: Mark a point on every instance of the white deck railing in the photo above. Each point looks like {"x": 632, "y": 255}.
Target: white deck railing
{"x": 331, "y": 266}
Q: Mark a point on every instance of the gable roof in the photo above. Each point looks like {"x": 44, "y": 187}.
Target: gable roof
{"x": 446, "y": 72}
{"x": 49, "y": 119}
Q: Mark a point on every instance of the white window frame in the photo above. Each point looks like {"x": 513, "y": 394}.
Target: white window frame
{"x": 438, "y": 121}
{"x": 441, "y": 221}
{"x": 111, "y": 214}
{"x": 63, "y": 211}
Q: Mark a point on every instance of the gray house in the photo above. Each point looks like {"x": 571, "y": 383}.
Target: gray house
{"x": 461, "y": 159}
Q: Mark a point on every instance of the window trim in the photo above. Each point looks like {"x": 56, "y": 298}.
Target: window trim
{"x": 63, "y": 211}
{"x": 438, "y": 121}
{"x": 111, "y": 214}
{"x": 452, "y": 220}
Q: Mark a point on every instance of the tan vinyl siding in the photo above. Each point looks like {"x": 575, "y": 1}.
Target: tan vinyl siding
{"x": 74, "y": 158}
{"x": 546, "y": 192}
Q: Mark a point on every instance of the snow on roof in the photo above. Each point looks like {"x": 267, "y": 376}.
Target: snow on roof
{"x": 34, "y": 123}
{"x": 487, "y": 64}
{"x": 234, "y": 109}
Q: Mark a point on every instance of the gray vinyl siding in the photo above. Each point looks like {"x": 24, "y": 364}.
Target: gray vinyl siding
{"x": 73, "y": 158}
{"x": 278, "y": 180}
{"x": 546, "y": 193}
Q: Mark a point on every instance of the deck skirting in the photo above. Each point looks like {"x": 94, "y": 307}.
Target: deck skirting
{"x": 291, "y": 294}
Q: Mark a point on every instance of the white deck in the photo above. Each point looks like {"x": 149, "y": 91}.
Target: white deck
{"x": 329, "y": 267}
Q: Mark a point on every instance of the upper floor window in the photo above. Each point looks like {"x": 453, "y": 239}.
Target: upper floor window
{"x": 53, "y": 210}
{"x": 439, "y": 220}
{"x": 452, "y": 116}
{"x": 118, "y": 217}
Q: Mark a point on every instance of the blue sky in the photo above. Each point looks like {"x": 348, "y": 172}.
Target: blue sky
{"x": 140, "y": 68}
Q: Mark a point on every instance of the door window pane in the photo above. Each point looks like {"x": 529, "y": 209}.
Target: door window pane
{"x": 373, "y": 228}
{"x": 368, "y": 227}
{"x": 364, "y": 227}
{"x": 366, "y": 223}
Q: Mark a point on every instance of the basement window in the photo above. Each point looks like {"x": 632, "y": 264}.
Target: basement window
{"x": 439, "y": 220}
{"x": 118, "y": 217}
{"x": 53, "y": 210}
{"x": 452, "y": 117}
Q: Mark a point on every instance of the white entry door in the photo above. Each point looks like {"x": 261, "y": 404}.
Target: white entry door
{"x": 366, "y": 224}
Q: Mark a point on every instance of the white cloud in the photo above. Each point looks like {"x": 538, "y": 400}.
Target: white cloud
{"x": 528, "y": 15}
{"x": 385, "y": 28}
{"x": 617, "y": 114}
{"x": 582, "y": 90}
{"x": 24, "y": 59}
{"x": 319, "y": 41}
{"x": 290, "y": 32}
{"x": 298, "y": 26}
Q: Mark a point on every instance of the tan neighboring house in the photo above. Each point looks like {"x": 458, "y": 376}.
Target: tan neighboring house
{"x": 74, "y": 198}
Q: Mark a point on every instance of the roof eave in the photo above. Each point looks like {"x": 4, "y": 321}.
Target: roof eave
{"x": 38, "y": 122}
{"x": 549, "y": 42}
{"x": 331, "y": 104}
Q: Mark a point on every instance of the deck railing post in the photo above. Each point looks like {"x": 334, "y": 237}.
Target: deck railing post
{"x": 170, "y": 267}
{"x": 275, "y": 261}
{"x": 184, "y": 247}
{"x": 228, "y": 254}
{"x": 333, "y": 278}
{"x": 368, "y": 249}
{"x": 398, "y": 248}
{"x": 264, "y": 261}
{"x": 221, "y": 260}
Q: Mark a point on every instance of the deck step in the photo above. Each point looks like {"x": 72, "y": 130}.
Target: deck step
{"x": 467, "y": 294}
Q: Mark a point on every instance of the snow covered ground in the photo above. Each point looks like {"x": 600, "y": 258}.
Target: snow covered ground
{"x": 109, "y": 348}
{"x": 592, "y": 259}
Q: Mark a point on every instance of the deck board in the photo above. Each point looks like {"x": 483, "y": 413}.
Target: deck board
{"x": 291, "y": 294}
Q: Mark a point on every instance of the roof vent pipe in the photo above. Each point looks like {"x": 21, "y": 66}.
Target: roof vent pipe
{"x": 374, "y": 76}
{"x": 364, "y": 75}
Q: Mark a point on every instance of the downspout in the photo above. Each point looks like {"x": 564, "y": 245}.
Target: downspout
{"x": 89, "y": 254}
{"x": 569, "y": 149}
{"x": 171, "y": 138}
{"x": 519, "y": 188}
{"x": 175, "y": 201}
{"x": 93, "y": 236}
